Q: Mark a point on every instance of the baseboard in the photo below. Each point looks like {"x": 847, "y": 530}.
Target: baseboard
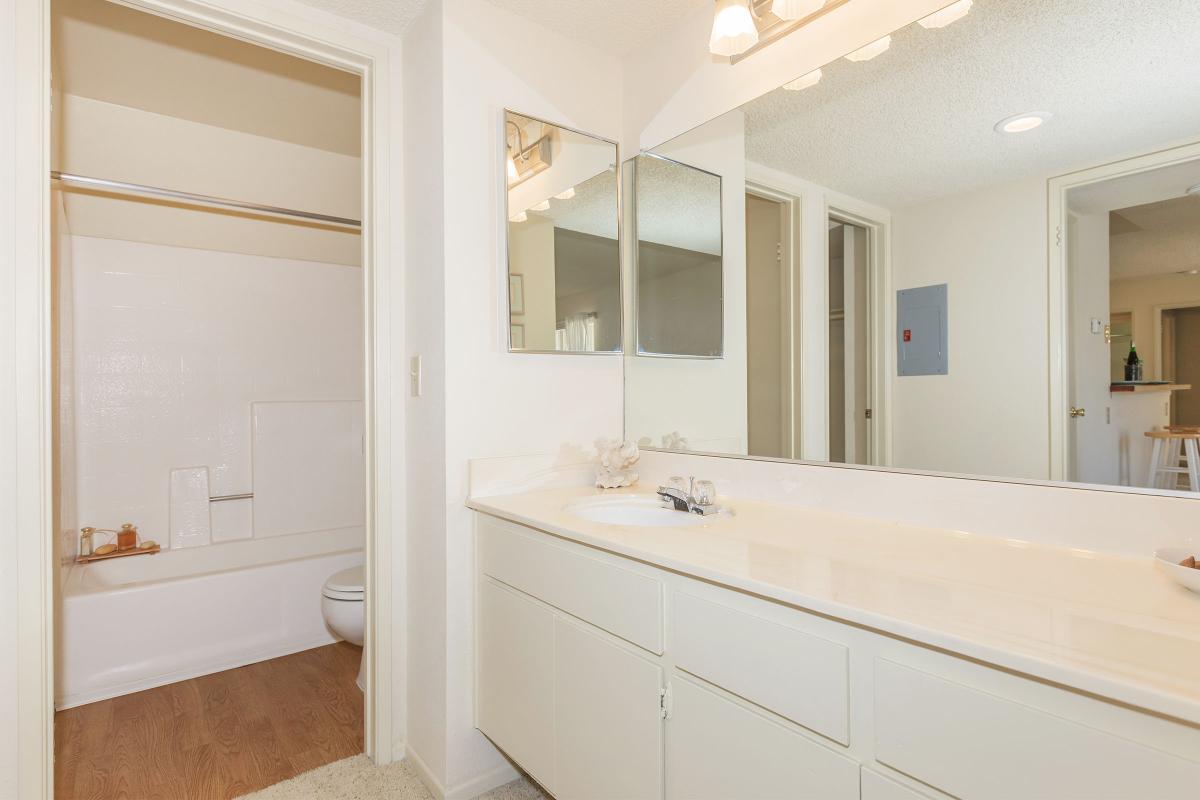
{"x": 467, "y": 790}
{"x": 83, "y": 698}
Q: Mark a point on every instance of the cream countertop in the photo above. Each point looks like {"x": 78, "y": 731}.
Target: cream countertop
{"x": 1109, "y": 625}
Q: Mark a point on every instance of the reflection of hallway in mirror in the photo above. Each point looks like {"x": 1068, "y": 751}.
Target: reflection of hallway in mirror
{"x": 1181, "y": 362}
{"x": 768, "y": 395}
{"x": 849, "y": 342}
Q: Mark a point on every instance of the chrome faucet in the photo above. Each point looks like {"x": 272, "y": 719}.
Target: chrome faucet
{"x": 697, "y": 498}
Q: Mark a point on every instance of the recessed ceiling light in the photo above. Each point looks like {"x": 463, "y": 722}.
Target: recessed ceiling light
{"x": 1020, "y": 123}
{"x": 870, "y": 51}
{"x": 1194, "y": 190}
{"x": 804, "y": 81}
{"x": 951, "y": 13}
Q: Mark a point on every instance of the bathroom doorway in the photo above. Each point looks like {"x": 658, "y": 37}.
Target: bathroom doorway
{"x": 850, "y": 350}
{"x": 39, "y": 611}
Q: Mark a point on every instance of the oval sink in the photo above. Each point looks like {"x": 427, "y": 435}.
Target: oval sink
{"x": 634, "y": 510}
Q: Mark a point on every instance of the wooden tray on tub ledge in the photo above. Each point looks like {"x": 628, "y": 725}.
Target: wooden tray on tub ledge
{"x": 149, "y": 548}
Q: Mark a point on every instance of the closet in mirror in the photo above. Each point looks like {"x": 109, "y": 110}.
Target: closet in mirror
{"x": 971, "y": 247}
{"x": 564, "y": 263}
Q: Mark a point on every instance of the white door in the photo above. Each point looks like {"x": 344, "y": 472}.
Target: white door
{"x": 515, "y": 682}
{"x": 607, "y": 717}
{"x": 721, "y": 750}
{"x": 1095, "y": 448}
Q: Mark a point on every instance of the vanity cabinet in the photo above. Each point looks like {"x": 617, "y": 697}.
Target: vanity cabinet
{"x": 605, "y": 677}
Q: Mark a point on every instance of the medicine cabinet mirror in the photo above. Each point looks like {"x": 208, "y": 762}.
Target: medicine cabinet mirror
{"x": 564, "y": 263}
{"x": 939, "y": 252}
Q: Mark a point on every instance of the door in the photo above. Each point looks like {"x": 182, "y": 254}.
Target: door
{"x": 718, "y": 749}
{"x": 1183, "y": 360}
{"x": 608, "y": 718}
{"x": 768, "y": 396}
{"x": 1095, "y": 449}
{"x": 849, "y": 344}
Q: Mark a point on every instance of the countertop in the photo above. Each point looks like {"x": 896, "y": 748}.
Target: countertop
{"x": 1142, "y": 388}
{"x": 1108, "y": 625}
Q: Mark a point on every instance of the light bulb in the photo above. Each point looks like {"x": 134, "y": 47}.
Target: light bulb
{"x": 804, "y": 81}
{"x": 542, "y": 206}
{"x": 733, "y": 29}
{"x": 795, "y": 9}
{"x": 512, "y": 169}
{"x": 520, "y": 216}
{"x": 870, "y": 51}
{"x": 566, "y": 194}
{"x": 951, "y": 13}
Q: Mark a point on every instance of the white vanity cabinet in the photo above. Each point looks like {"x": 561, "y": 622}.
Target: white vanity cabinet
{"x": 610, "y": 678}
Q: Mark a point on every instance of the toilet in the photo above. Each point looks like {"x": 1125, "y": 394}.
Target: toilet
{"x": 342, "y": 606}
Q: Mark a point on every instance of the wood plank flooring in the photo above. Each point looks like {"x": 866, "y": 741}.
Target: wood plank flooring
{"x": 218, "y": 736}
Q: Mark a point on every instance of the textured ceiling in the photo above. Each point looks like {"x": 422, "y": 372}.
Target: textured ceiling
{"x": 613, "y": 26}
{"x": 917, "y": 122}
{"x": 387, "y": 15}
{"x": 115, "y": 54}
{"x": 1156, "y": 238}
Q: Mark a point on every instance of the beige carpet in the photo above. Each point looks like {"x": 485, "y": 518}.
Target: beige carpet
{"x": 358, "y": 779}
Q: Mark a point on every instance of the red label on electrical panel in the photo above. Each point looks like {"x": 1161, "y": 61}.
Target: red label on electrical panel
{"x": 907, "y": 335}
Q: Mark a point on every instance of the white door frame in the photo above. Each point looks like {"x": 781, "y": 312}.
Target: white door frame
{"x": 1058, "y": 295}
{"x": 307, "y": 33}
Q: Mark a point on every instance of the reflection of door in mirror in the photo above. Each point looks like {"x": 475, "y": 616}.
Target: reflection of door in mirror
{"x": 1181, "y": 362}
{"x": 768, "y": 325}
{"x": 849, "y": 344}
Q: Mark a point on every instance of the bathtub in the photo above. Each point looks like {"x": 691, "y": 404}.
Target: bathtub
{"x": 133, "y": 623}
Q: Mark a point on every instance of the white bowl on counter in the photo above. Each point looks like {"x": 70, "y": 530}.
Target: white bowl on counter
{"x": 1168, "y": 559}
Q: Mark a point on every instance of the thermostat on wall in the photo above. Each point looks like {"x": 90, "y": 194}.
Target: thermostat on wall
{"x": 921, "y": 336}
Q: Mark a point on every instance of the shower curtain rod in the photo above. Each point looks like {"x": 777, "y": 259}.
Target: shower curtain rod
{"x": 188, "y": 197}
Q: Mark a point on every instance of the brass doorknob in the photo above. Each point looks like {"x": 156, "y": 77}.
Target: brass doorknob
{"x": 1078, "y": 412}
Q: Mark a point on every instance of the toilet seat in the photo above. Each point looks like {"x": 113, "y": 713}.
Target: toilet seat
{"x": 345, "y": 585}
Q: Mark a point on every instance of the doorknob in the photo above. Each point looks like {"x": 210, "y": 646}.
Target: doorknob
{"x": 1078, "y": 412}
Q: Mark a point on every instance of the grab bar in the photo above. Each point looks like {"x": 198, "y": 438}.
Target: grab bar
{"x": 223, "y": 497}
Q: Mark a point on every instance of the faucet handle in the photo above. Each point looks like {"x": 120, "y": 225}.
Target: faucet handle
{"x": 704, "y": 493}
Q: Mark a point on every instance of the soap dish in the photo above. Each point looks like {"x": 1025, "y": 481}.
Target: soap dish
{"x": 1168, "y": 559}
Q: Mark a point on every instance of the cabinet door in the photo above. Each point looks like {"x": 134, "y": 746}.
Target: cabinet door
{"x": 607, "y": 718}
{"x": 720, "y": 750}
{"x": 515, "y": 683}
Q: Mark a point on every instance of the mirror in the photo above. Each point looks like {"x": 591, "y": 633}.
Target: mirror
{"x": 941, "y": 249}
{"x": 564, "y": 263}
{"x": 678, "y": 259}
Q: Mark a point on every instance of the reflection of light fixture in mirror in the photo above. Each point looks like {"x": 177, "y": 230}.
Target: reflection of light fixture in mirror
{"x": 804, "y": 81}
{"x": 1021, "y": 123}
{"x": 951, "y": 13}
{"x": 565, "y": 194}
{"x": 520, "y": 216}
{"x": 542, "y": 206}
{"x": 795, "y": 9}
{"x": 512, "y": 168}
{"x": 525, "y": 162}
{"x": 733, "y": 29}
{"x": 867, "y": 52}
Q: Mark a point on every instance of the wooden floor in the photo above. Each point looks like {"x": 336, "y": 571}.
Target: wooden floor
{"x": 218, "y": 736}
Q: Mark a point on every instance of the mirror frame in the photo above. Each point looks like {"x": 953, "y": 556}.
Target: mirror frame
{"x": 635, "y": 266}
{"x": 620, "y": 351}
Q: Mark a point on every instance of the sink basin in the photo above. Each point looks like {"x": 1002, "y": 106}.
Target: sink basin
{"x": 635, "y": 510}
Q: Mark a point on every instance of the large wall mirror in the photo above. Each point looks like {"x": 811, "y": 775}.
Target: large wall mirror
{"x": 564, "y": 258}
{"x": 972, "y": 247}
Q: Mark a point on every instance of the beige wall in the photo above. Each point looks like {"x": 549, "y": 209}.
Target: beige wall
{"x": 104, "y": 140}
{"x": 1142, "y": 296}
{"x": 531, "y": 255}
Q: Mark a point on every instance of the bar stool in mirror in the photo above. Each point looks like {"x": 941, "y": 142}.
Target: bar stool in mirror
{"x": 1176, "y": 453}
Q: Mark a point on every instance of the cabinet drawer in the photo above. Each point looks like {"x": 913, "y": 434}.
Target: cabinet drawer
{"x": 623, "y": 602}
{"x": 720, "y": 750}
{"x": 977, "y": 746}
{"x": 795, "y": 674}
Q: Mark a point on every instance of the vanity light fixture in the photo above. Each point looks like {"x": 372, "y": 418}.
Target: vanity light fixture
{"x": 520, "y": 216}
{"x": 1022, "y": 123}
{"x": 875, "y": 48}
{"x": 951, "y": 13}
{"x": 525, "y": 162}
{"x": 565, "y": 194}
{"x": 542, "y": 206}
{"x": 804, "y": 81}
{"x": 796, "y": 9}
{"x": 733, "y": 29}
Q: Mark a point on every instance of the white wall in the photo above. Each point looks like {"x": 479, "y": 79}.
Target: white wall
{"x": 989, "y": 415}
{"x": 172, "y": 345}
{"x": 493, "y": 402}
{"x": 702, "y": 399}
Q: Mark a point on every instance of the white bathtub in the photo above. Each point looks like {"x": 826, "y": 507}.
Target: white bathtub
{"x": 129, "y": 624}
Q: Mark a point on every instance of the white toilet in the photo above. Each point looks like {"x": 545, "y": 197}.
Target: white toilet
{"x": 342, "y": 605}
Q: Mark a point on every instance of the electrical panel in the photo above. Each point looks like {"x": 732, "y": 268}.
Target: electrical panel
{"x": 921, "y": 334}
